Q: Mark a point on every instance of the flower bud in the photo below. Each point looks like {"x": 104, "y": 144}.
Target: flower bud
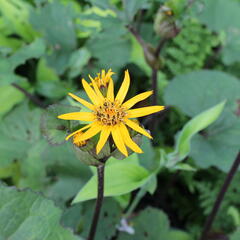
{"x": 164, "y": 24}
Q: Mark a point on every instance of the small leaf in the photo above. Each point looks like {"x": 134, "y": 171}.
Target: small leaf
{"x": 120, "y": 178}
{"x": 192, "y": 127}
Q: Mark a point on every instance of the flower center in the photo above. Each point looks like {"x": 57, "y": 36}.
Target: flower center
{"x": 110, "y": 113}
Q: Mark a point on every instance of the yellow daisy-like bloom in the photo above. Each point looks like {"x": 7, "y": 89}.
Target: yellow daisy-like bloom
{"x": 111, "y": 115}
{"x": 102, "y": 80}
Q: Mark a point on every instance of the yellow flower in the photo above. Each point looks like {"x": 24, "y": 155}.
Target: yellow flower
{"x": 111, "y": 115}
{"x": 103, "y": 79}
{"x": 77, "y": 139}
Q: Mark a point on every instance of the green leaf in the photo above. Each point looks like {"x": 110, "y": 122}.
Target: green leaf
{"x": 117, "y": 41}
{"x": 77, "y": 61}
{"x": 10, "y": 96}
{"x": 192, "y": 127}
{"x": 55, "y": 22}
{"x": 31, "y": 217}
{"x": 219, "y": 146}
{"x": 219, "y": 14}
{"x": 15, "y": 14}
{"x": 197, "y": 91}
{"x": 19, "y": 131}
{"x": 34, "y": 50}
{"x": 120, "y": 178}
{"x": 151, "y": 223}
{"x": 232, "y": 47}
{"x": 131, "y": 8}
{"x": 109, "y": 218}
{"x": 235, "y": 235}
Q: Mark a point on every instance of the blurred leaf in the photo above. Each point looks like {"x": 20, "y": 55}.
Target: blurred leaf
{"x": 45, "y": 73}
{"x": 131, "y": 7}
{"x": 33, "y": 168}
{"x": 120, "y": 178}
{"x": 15, "y": 15}
{"x": 77, "y": 61}
{"x": 10, "y": 96}
{"x": 232, "y": 47}
{"x": 34, "y": 50}
{"x": 219, "y": 14}
{"x": 179, "y": 235}
{"x": 235, "y": 235}
{"x": 117, "y": 41}
{"x": 109, "y": 218}
{"x": 8, "y": 65}
{"x": 220, "y": 146}
{"x": 55, "y": 21}
{"x": 151, "y": 223}
{"x": 19, "y": 131}
{"x": 192, "y": 127}
{"x": 31, "y": 216}
{"x": 197, "y": 91}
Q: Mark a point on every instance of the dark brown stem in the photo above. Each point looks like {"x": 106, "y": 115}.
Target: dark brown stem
{"x": 100, "y": 174}
{"x": 34, "y": 99}
{"x": 220, "y": 198}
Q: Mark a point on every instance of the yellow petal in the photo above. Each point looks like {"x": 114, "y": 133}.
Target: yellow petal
{"x": 103, "y": 138}
{"x": 91, "y": 93}
{"x": 79, "y": 130}
{"x": 128, "y": 141}
{"x": 131, "y": 102}
{"x": 110, "y": 91}
{"x": 92, "y": 131}
{"x": 82, "y": 101}
{"x": 96, "y": 89}
{"x": 124, "y": 88}
{"x": 137, "y": 128}
{"x": 82, "y": 116}
{"x": 118, "y": 140}
{"x": 140, "y": 112}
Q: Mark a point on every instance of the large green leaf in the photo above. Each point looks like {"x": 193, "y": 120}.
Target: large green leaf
{"x": 219, "y": 146}
{"x": 7, "y": 66}
{"x": 192, "y": 127}
{"x": 32, "y": 217}
{"x": 117, "y": 41}
{"x": 196, "y": 92}
{"x": 120, "y": 178}
{"x": 219, "y": 14}
{"x": 19, "y": 131}
{"x": 55, "y": 22}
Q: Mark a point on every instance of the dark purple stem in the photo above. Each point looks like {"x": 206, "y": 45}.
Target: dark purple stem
{"x": 220, "y": 198}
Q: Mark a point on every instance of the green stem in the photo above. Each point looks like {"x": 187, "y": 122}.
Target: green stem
{"x": 135, "y": 202}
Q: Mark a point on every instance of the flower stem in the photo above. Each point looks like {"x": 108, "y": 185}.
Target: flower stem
{"x": 220, "y": 197}
{"x": 100, "y": 174}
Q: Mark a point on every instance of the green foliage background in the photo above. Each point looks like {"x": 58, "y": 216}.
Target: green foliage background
{"x": 47, "y": 46}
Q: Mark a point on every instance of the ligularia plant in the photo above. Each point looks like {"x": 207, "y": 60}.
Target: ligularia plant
{"x": 112, "y": 117}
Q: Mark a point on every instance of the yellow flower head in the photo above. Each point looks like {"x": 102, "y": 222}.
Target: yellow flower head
{"x": 102, "y": 80}
{"x": 111, "y": 115}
